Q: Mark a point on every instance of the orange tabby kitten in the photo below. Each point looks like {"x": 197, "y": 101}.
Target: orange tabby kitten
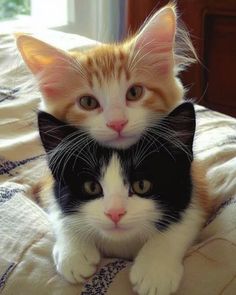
{"x": 114, "y": 90}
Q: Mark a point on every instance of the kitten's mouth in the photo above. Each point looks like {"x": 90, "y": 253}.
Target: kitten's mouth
{"x": 121, "y": 141}
{"x": 117, "y": 228}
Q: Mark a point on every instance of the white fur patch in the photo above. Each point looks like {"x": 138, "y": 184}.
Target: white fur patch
{"x": 114, "y": 190}
{"x": 158, "y": 266}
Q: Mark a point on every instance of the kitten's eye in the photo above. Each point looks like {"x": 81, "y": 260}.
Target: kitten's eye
{"x": 134, "y": 93}
{"x": 92, "y": 188}
{"x": 88, "y": 102}
{"x": 141, "y": 187}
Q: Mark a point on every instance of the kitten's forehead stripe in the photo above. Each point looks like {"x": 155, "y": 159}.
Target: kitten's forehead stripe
{"x": 122, "y": 55}
{"x": 105, "y": 62}
{"x": 127, "y": 73}
{"x": 120, "y": 68}
{"x": 98, "y": 76}
{"x": 89, "y": 62}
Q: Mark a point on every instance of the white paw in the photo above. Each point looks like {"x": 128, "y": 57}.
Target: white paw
{"x": 76, "y": 263}
{"x": 155, "y": 277}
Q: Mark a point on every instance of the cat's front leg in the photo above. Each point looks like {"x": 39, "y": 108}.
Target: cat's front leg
{"x": 75, "y": 260}
{"x": 156, "y": 273}
{"x": 158, "y": 267}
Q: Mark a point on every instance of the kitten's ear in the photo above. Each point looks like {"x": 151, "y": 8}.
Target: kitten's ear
{"x": 38, "y": 55}
{"x": 51, "y": 66}
{"x": 52, "y": 131}
{"x": 158, "y": 34}
{"x": 181, "y": 123}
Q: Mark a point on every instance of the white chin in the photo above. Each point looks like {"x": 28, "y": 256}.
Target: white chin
{"x": 120, "y": 142}
{"x": 118, "y": 234}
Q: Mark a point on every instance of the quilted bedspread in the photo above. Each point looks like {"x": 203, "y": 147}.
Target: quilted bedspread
{"x": 26, "y": 239}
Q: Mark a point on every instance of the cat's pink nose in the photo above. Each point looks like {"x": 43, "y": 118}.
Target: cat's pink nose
{"x": 117, "y": 125}
{"x": 115, "y": 214}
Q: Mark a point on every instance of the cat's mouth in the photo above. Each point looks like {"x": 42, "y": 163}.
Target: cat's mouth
{"x": 116, "y": 228}
{"x": 122, "y": 141}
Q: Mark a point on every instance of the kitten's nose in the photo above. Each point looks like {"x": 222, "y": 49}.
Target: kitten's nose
{"x": 117, "y": 125}
{"x": 115, "y": 214}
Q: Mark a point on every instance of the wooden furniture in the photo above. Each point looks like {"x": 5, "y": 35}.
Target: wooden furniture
{"x": 212, "y": 25}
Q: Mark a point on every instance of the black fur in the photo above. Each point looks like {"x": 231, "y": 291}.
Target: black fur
{"x": 74, "y": 157}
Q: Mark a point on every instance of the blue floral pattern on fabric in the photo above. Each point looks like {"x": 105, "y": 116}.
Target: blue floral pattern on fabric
{"x": 8, "y": 93}
{"x": 229, "y": 202}
{"x": 6, "y": 274}
{"x": 6, "y": 166}
{"x": 103, "y": 278}
{"x": 7, "y": 193}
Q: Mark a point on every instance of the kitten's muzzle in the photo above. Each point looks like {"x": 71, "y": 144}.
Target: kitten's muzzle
{"x": 118, "y": 125}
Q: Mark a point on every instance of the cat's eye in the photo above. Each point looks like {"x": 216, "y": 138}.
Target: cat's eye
{"x": 134, "y": 93}
{"x": 92, "y": 188}
{"x": 88, "y": 102}
{"x": 141, "y": 187}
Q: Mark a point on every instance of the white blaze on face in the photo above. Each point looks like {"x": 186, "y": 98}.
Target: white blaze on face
{"x": 114, "y": 189}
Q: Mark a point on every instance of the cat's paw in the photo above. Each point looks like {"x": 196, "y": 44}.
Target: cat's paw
{"x": 76, "y": 264}
{"x": 155, "y": 278}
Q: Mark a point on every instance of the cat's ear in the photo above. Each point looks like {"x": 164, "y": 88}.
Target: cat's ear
{"x": 52, "y": 131}
{"x": 38, "y": 55}
{"x": 154, "y": 44}
{"x": 158, "y": 33}
{"x": 51, "y": 66}
{"x": 180, "y": 125}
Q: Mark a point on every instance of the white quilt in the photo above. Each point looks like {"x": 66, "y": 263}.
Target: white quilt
{"x": 26, "y": 239}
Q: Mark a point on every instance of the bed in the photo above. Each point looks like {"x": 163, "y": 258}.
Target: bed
{"x": 26, "y": 238}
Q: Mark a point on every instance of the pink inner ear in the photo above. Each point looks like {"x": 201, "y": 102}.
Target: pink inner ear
{"x": 57, "y": 82}
{"x": 152, "y": 41}
{"x": 50, "y": 91}
{"x": 164, "y": 68}
{"x": 155, "y": 42}
{"x": 159, "y": 32}
{"x": 51, "y": 83}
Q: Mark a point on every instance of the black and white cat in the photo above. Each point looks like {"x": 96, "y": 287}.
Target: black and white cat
{"x": 137, "y": 203}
